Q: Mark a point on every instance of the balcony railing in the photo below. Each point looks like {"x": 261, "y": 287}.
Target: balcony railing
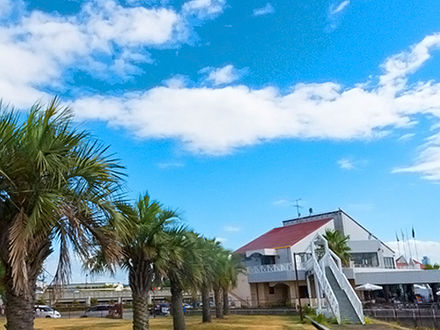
{"x": 270, "y": 268}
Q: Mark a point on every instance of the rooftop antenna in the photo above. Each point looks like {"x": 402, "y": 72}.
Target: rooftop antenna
{"x": 298, "y": 206}
{"x": 310, "y": 211}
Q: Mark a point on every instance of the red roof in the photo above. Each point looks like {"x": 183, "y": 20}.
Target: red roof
{"x": 283, "y": 236}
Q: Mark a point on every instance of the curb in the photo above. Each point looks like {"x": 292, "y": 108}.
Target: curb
{"x": 316, "y": 324}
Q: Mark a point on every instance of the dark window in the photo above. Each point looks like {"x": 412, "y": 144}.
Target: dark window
{"x": 303, "y": 291}
{"x": 271, "y": 290}
{"x": 267, "y": 260}
{"x": 365, "y": 259}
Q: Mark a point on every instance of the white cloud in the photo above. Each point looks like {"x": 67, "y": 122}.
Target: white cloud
{"x": 203, "y": 9}
{"x": 400, "y": 66}
{"x": 267, "y": 9}
{"x": 406, "y": 136}
{"x": 335, "y": 12}
{"x": 218, "y": 120}
{"x": 38, "y": 49}
{"x": 136, "y": 26}
{"x": 339, "y": 8}
{"x": 221, "y": 76}
{"x": 231, "y": 229}
{"x": 346, "y": 164}
{"x": 428, "y": 162}
{"x": 103, "y": 37}
{"x": 176, "y": 81}
{"x": 424, "y": 248}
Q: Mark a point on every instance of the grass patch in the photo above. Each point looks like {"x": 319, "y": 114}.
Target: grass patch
{"x": 273, "y": 322}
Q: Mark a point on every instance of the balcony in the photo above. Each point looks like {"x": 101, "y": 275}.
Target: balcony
{"x": 274, "y": 273}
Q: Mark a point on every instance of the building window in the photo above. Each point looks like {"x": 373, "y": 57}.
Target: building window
{"x": 303, "y": 293}
{"x": 267, "y": 260}
{"x": 365, "y": 259}
{"x": 271, "y": 290}
{"x": 388, "y": 262}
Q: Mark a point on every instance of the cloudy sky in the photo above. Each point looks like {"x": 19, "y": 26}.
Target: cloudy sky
{"x": 230, "y": 111}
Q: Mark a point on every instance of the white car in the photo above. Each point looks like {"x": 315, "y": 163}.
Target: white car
{"x": 46, "y": 312}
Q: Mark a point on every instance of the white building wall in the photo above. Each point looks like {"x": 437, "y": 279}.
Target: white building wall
{"x": 362, "y": 239}
{"x": 304, "y": 244}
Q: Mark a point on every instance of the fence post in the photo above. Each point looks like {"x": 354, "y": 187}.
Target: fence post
{"x": 414, "y": 317}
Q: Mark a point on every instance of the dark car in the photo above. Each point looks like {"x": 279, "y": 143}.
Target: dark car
{"x": 162, "y": 309}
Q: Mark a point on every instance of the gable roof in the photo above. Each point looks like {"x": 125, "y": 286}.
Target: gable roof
{"x": 283, "y": 236}
{"x": 332, "y": 214}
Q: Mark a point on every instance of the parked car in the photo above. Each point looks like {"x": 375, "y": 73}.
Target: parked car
{"x": 46, "y": 312}
{"x": 162, "y": 309}
{"x": 211, "y": 304}
{"x": 187, "y": 306}
{"x": 97, "y": 311}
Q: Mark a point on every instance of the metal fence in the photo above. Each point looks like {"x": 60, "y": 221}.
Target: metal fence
{"x": 428, "y": 317}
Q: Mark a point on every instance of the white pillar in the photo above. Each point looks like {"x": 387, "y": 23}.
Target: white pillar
{"x": 318, "y": 292}
{"x": 309, "y": 290}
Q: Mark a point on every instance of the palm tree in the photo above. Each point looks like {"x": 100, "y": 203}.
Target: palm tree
{"x": 145, "y": 247}
{"x": 56, "y": 184}
{"x": 234, "y": 267}
{"x": 221, "y": 277}
{"x": 183, "y": 270}
{"x": 208, "y": 249}
{"x": 2, "y": 286}
{"x": 338, "y": 243}
{"x": 227, "y": 268}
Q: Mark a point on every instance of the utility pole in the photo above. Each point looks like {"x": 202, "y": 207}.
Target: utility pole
{"x": 297, "y": 287}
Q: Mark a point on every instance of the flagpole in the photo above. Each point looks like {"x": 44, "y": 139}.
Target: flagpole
{"x": 403, "y": 244}
{"x": 415, "y": 245}
{"x": 409, "y": 245}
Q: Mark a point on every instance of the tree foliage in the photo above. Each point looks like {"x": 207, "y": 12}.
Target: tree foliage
{"x": 57, "y": 184}
{"x": 338, "y": 243}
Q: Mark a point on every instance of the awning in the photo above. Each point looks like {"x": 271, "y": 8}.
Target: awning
{"x": 368, "y": 287}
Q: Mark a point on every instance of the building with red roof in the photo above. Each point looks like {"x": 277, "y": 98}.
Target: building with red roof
{"x": 282, "y": 237}
{"x": 271, "y": 259}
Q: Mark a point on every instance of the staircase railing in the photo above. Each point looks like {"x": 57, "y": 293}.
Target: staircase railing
{"x": 322, "y": 280}
{"x": 270, "y": 268}
{"x": 330, "y": 259}
{"x": 345, "y": 285}
{"x": 240, "y": 299}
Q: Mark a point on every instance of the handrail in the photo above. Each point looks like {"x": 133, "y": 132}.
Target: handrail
{"x": 346, "y": 287}
{"x": 331, "y": 260}
{"x": 325, "y": 285}
{"x": 270, "y": 268}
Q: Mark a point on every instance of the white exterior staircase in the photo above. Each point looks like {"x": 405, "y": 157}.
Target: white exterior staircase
{"x": 335, "y": 295}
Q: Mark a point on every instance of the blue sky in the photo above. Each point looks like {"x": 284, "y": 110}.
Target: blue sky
{"x": 230, "y": 111}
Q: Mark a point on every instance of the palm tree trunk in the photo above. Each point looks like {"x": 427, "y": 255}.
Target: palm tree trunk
{"x": 140, "y": 312}
{"x": 19, "y": 307}
{"x": 206, "y": 313}
{"x": 140, "y": 278}
{"x": 218, "y": 303}
{"x": 225, "y": 301}
{"x": 176, "y": 306}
